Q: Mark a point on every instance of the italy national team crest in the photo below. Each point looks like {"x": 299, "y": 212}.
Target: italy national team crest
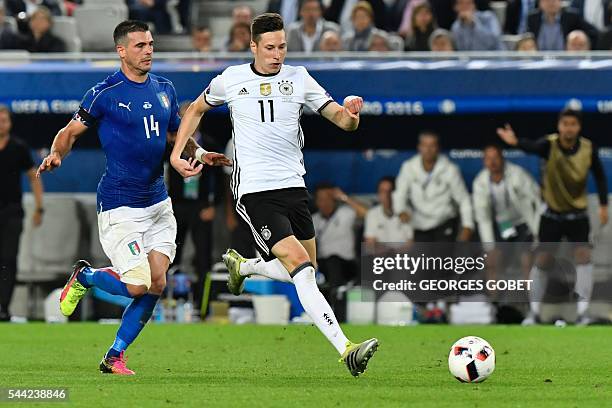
{"x": 265, "y": 89}
{"x": 134, "y": 248}
{"x": 163, "y": 98}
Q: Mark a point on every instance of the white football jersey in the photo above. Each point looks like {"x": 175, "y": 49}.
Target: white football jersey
{"x": 265, "y": 111}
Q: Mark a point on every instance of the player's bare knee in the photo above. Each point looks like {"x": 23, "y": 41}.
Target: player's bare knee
{"x": 158, "y": 285}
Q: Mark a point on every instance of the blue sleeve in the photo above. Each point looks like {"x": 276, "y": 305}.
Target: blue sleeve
{"x": 91, "y": 109}
{"x": 175, "y": 119}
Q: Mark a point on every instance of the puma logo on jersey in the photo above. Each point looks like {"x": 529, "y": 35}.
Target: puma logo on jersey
{"x": 243, "y": 91}
{"x": 123, "y": 105}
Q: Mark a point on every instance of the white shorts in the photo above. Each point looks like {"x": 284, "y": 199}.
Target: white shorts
{"x": 128, "y": 234}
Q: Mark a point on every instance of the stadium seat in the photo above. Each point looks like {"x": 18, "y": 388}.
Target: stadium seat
{"x": 48, "y": 251}
{"x": 96, "y": 22}
{"x": 96, "y": 254}
{"x": 65, "y": 28}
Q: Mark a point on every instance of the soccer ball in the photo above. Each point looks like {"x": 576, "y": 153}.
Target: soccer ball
{"x": 471, "y": 359}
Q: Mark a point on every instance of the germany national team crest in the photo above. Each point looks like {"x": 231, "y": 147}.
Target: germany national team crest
{"x": 265, "y": 89}
{"x": 265, "y": 232}
{"x": 163, "y": 98}
{"x": 285, "y": 87}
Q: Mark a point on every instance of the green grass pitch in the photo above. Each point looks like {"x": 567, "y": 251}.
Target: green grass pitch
{"x": 204, "y": 365}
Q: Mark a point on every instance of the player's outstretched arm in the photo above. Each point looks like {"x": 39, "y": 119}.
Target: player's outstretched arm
{"x": 346, "y": 117}
{"x": 189, "y": 124}
{"x": 62, "y": 144}
{"x": 193, "y": 149}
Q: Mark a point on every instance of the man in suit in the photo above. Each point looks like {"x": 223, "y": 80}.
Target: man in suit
{"x": 305, "y": 35}
{"x": 551, "y": 25}
{"x": 517, "y": 12}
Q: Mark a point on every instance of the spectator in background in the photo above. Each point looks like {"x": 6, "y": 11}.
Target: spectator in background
{"x": 407, "y": 23}
{"x": 239, "y": 38}
{"x": 288, "y": 9}
{"x": 242, "y": 14}
{"x": 595, "y": 12}
{"x": 341, "y": 12}
{"x": 154, "y": 11}
{"x": 379, "y": 42}
{"x": 363, "y": 28}
{"x": 423, "y": 25}
{"x": 25, "y": 8}
{"x": 517, "y": 13}
{"x": 441, "y": 40}
{"x": 40, "y": 38}
{"x": 527, "y": 43}
{"x": 184, "y": 9}
{"x": 430, "y": 192}
{"x": 305, "y": 35}
{"x": 475, "y": 30}
{"x": 330, "y": 42}
{"x": 201, "y": 39}
{"x": 445, "y": 13}
{"x": 335, "y": 228}
{"x": 578, "y": 41}
{"x": 382, "y": 224}
{"x": 9, "y": 39}
{"x": 551, "y": 25}
{"x": 193, "y": 203}
{"x": 15, "y": 159}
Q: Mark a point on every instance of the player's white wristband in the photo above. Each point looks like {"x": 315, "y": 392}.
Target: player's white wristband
{"x": 199, "y": 153}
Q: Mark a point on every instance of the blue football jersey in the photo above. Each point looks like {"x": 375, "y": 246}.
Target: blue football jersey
{"x": 133, "y": 119}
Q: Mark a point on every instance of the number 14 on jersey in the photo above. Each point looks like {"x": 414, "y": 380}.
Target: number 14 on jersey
{"x": 154, "y": 127}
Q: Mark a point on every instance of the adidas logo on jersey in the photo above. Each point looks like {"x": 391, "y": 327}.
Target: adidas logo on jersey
{"x": 243, "y": 91}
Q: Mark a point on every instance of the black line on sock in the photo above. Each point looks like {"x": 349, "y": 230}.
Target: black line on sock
{"x": 300, "y": 268}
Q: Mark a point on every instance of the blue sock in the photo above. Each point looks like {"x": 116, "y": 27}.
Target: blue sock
{"x": 105, "y": 279}
{"x": 135, "y": 316}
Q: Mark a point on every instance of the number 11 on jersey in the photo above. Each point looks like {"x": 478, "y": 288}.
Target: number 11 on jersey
{"x": 150, "y": 129}
{"x": 261, "y": 108}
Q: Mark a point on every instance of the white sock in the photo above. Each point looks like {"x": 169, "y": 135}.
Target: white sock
{"x": 537, "y": 289}
{"x": 318, "y": 309}
{"x": 273, "y": 269}
{"x": 583, "y": 287}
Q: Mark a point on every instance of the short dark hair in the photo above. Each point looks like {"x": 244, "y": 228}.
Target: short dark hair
{"x": 390, "y": 179}
{"x": 496, "y": 147}
{"x": 266, "y": 23}
{"x": 126, "y": 27}
{"x": 324, "y": 185}
{"x": 429, "y": 133}
{"x": 569, "y": 112}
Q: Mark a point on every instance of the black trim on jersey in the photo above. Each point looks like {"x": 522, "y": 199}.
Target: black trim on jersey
{"x": 235, "y": 182}
{"x": 324, "y": 105}
{"x": 256, "y": 72}
{"x": 210, "y": 104}
{"x": 87, "y": 118}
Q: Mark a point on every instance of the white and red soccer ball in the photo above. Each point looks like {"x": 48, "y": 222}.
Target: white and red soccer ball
{"x": 471, "y": 359}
